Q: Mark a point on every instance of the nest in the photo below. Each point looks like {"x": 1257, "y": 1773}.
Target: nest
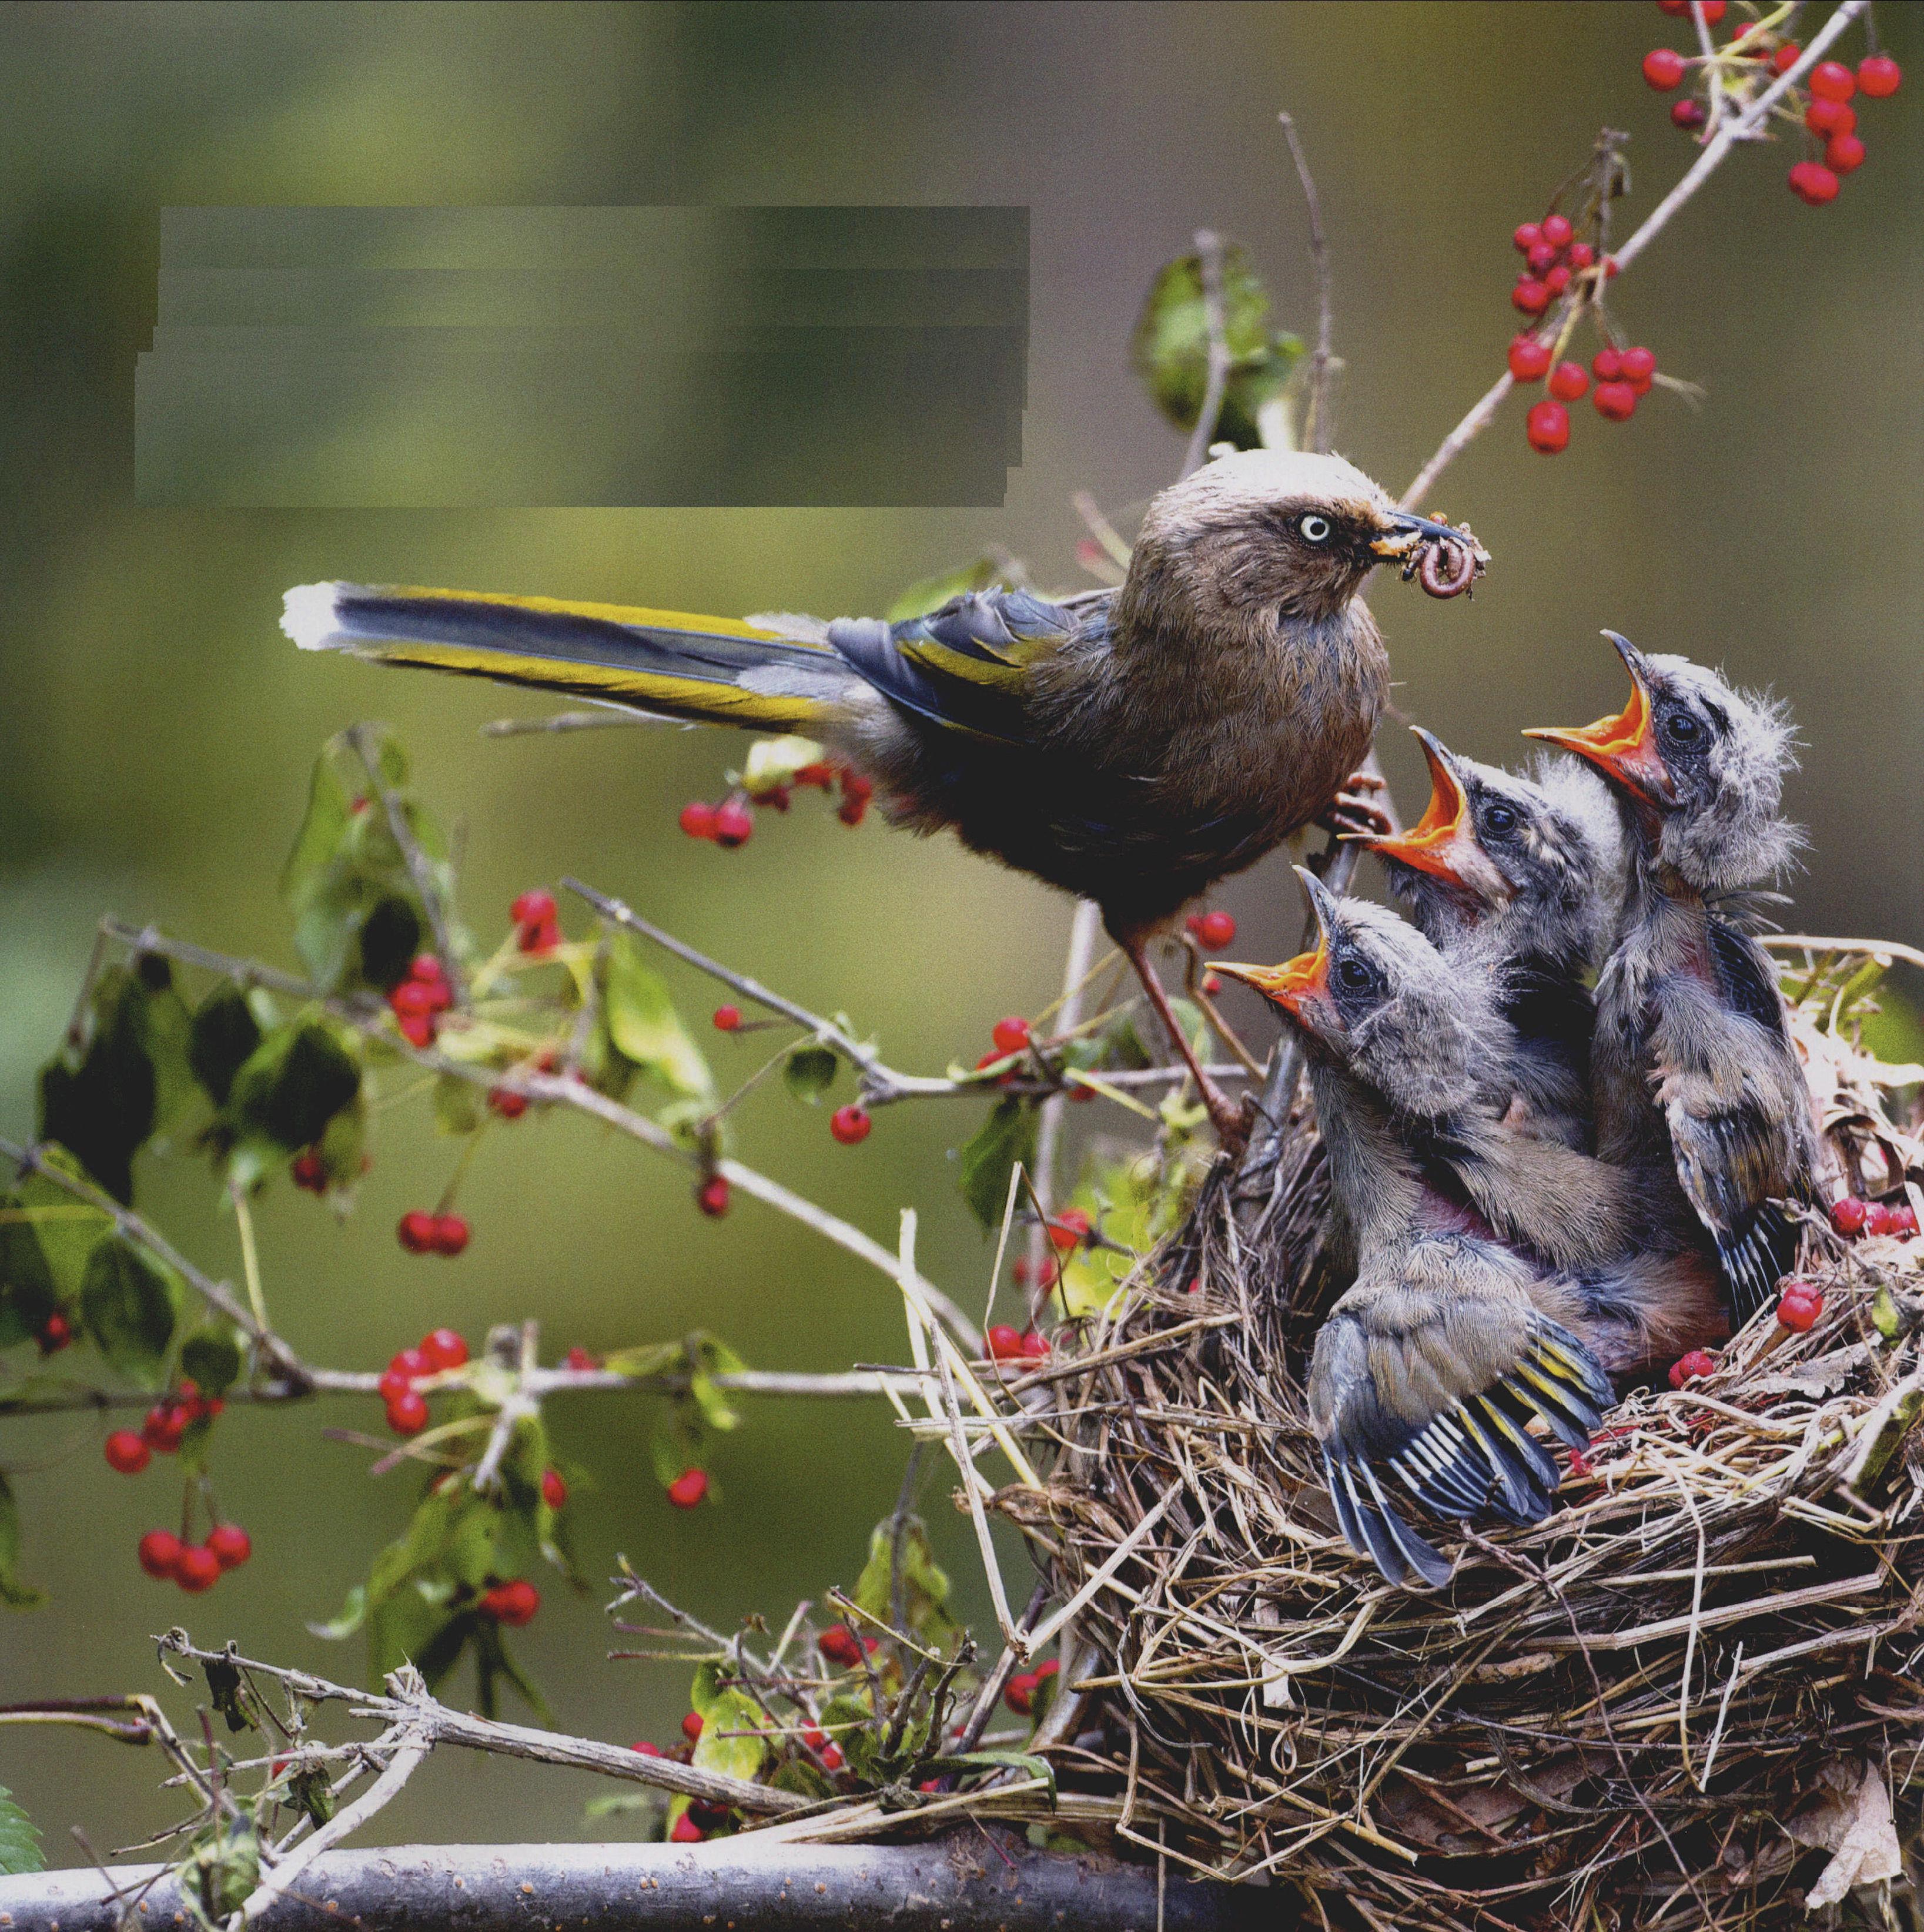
{"x": 1688, "y": 1698}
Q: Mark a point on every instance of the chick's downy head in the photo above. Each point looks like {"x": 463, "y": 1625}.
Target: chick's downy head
{"x": 1701, "y": 765}
{"x": 1376, "y": 999}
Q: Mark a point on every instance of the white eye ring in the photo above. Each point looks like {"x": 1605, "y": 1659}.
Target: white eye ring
{"x": 1314, "y": 529}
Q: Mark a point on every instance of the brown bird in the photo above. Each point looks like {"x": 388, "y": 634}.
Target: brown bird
{"x": 1131, "y": 746}
{"x": 1697, "y": 1078}
{"x": 1521, "y": 880}
{"x": 1499, "y": 1275}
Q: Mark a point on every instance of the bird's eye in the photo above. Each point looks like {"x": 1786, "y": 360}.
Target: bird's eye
{"x": 1314, "y": 529}
{"x": 1499, "y": 818}
{"x": 1352, "y": 976}
{"x": 1681, "y": 728}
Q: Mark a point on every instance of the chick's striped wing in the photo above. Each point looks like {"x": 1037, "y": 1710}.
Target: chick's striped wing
{"x": 1430, "y": 1374}
{"x": 968, "y": 666}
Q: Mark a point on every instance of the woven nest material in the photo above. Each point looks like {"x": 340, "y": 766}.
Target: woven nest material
{"x": 1688, "y": 1698}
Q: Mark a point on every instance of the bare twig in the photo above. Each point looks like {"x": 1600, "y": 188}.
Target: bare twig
{"x": 1736, "y": 127}
{"x": 1209, "y": 258}
{"x": 566, "y": 721}
{"x": 1084, "y": 929}
{"x": 420, "y": 867}
{"x": 1316, "y": 429}
{"x": 520, "y": 1406}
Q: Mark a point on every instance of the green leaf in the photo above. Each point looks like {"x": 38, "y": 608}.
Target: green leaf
{"x": 644, "y": 1024}
{"x": 709, "y": 1356}
{"x": 415, "y": 1626}
{"x": 732, "y": 1742}
{"x": 618, "y": 1803}
{"x": 19, "y": 1839}
{"x": 212, "y": 1357}
{"x": 997, "y": 1760}
{"x": 323, "y": 832}
{"x": 130, "y": 1306}
{"x": 27, "y": 1294}
{"x": 65, "y": 1227}
{"x": 1170, "y": 350}
{"x": 989, "y": 1156}
{"x": 809, "y": 1072}
{"x": 224, "y": 1033}
{"x": 218, "y": 1876}
{"x": 352, "y": 1615}
{"x": 925, "y": 1592}
{"x": 102, "y": 1102}
{"x": 13, "y": 1594}
{"x": 457, "y": 1105}
{"x": 293, "y": 1084}
{"x": 921, "y": 599}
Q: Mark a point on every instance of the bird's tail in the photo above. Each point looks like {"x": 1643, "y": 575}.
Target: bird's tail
{"x": 713, "y": 669}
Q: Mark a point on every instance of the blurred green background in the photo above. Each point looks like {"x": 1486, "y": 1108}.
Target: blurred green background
{"x": 156, "y": 730}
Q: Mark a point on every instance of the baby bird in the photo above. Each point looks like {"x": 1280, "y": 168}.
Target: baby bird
{"x": 1497, "y": 1274}
{"x": 1131, "y": 746}
{"x": 1519, "y": 879}
{"x": 1696, "y": 1074}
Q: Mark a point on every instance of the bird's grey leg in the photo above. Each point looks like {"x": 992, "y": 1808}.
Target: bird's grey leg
{"x": 1230, "y": 1119}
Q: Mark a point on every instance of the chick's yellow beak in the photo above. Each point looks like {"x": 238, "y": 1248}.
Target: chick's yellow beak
{"x": 1624, "y": 747}
{"x": 1434, "y": 843}
{"x": 1291, "y": 985}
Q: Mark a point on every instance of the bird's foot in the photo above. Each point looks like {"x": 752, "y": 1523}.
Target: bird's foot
{"x": 1350, "y": 813}
{"x": 1232, "y": 1119}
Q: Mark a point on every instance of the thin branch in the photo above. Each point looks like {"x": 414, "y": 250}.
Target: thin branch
{"x": 567, "y": 721}
{"x": 518, "y": 1407}
{"x": 1084, "y": 930}
{"x": 1209, "y": 259}
{"x": 1315, "y": 430}
{"x": 1736, "y": 127}
{"x": 420, "y": 867}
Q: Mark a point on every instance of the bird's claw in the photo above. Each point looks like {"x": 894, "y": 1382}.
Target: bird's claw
{"x": 1351, "y": 814}
{"x": 1232, "y": 1119}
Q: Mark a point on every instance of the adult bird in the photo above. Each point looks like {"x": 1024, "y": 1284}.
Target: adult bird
{"x": 1131, "y": 746}
{"x": 1491, "y": 1267}
{"x": 1696, "y": 1074}
{"x": 1519, "y": 880}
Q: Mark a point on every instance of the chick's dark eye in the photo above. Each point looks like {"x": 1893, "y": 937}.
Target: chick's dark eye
{"x": 1681, "y": 728}
{"x": 1352, "y": 976}
{"x": 1314, "y": 529}
{"x": 1498, "y": 818}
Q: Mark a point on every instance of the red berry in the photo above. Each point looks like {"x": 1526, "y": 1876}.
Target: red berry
{"x": 1216, "y": 930}
{"x": 1612, "y": 267}
{"x": 1785, "y": 57}
{"x": 814, "y": 1738}
{"x": 728, "y": 1019}
{"x": 418, "y": 1030}
{"x": 1681, "y": 8}
{"x": 544, "y": 935}
{"x": 1558, "y": 279}
{"x": 1688, "y": 1368}
{"x": 127, "y": 1452}
{"x": 1069, "y": 1229}
{"x": 1547, "y": 427}
{"x": 1527, "y": 237}
{"x": 692, "y": 1727}
{"x": 451, "y": 1233}
{"x": 647, "y": 1750}
{"x": 1005, "y": 1344}
{"x": 1848, "y": 1216}
{"x": 416, "y": 1232}
{"x": 1830, "y": 117}
{"x": 839, "y": 1644}
{"x": 1195, "y": 1287}
{"x": 554, "y": 1488}
{"x": 1663, "y": 68}
{"x": 1557, "y": 230}
{"x": 1639, "y": 366}
{"x": 410, "y": 1364}
{"x": 166, "y": 1424}
{"x": 231, "y": 1545}
{"x": 1876, "y": 1218}
{"x": 831, "y": 1757}
{"x": 427, "y": 966}
{"x": 1878, "y": 76}
{"x": 1582, "y": 255}
{"x": 159, "y": 1552}
{"x": 1901, "y": 1220}
{"x": 197, "y": 1569}
{"x": 512, "y": 1603}
{"x": 1813, "y": 182}
{"x": 411, "y": 998}
{"x": 1528, "y": 358}
{"x": 1831, "y": 80}
{"x": 688, "y": 1489}
{"x": 1606, "y": 365}
{"x": 850, "y": 1124}
{"x": 1567, "y": 381}
{"x": 1689, "y": 114}
{"x": 1046, "y": 1670}
{"x": 1034, "y": 1347}
{"x": 578, "y": 1357}
{"x": 1018, "y": 1694}
{"x": 1530, "y": 295}
{"x": 711, "y": 1197}
{"x": 309, "y": 1172}
{"x": 1799, "y": 1307}
{"x": 1010, "y": 1035}
{"x": 1212, "y": 984}
{"x": 1616, "y": 402}
{"x": 444, "y": 1349}
{"x": 532, "y": 908}
{"x": 506, "y": 1102}
{"x": 1844, "y": 153}
{"x": 1713, "y": 11}
{"x": 407, "y": 1412}
{"x": 1540, "y": 257}
{"x": 697, "y": 819}
{"x": 733, "y": 825}
{"x": 686, "y": 1832}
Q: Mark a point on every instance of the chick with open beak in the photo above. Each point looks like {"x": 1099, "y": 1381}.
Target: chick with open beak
{"x": 1697, "y": 1084}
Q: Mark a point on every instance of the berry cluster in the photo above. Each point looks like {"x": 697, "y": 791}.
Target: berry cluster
{"x": 1688, "y": 1368}
{"x": 1018, "y": 1694}
{"x": 195, "y": 1567}
{"x": 537, "y": 922}
{"x": 441, "y": 1349}
{"x": 1005, "y": 1344}
{"x": 422, "y": 1233}
{"x": 1754, "y": 56}
{"x": 1853, "y": 1216}
{"x": 419, "y": 1001}
{"x": 1553, "y": 258}
{"x": 161, "y": 1434}
{"x": 1799, "y": 1304}
{"x": 729, "y": 824}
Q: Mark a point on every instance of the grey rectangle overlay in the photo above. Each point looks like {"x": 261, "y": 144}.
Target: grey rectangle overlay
{"x": 376, "y": 357}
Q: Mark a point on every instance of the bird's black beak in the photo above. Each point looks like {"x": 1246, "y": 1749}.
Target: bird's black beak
{"x": 1446, "y": 559}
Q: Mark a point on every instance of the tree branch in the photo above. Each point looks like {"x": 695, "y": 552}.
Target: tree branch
{"x": 1315, "y": 430}
{"x": 1209, "y": 260}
